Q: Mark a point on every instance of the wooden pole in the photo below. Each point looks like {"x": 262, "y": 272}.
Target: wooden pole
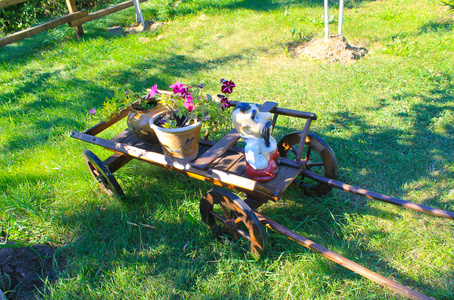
{"x": 71, "y": 4}
{"x": 376, "y": 196}
{"x": 405, "y": 291}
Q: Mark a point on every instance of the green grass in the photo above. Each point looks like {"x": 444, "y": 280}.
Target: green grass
{"x": 389, "y": 119}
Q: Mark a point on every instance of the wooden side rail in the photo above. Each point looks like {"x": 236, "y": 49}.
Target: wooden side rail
{"x": 74, "y": 19}
{"x": 287, "y": 112}
{"x": 20, "y": 35}
{"x": 217, "y": 177}
{"x": 106, "y": 124}
{"x": 103, "y": 12}
{"x": 6, "y": 3}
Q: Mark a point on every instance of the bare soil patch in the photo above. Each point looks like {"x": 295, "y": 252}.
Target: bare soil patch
{"x": 335, "y": 49}
{"x": 23, "y": 270}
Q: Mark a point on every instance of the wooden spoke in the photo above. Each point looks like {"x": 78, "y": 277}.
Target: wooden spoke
{"x": 322, "y": 158}
{"x": 239, "y": 219}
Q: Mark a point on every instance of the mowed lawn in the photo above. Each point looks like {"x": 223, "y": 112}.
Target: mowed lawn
{"x": 388, "y": 118}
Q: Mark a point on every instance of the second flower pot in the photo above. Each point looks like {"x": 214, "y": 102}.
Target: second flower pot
{"x": 178, "y": 142}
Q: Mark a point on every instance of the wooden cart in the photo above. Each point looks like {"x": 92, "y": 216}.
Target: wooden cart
{"x": 223, "y": 164}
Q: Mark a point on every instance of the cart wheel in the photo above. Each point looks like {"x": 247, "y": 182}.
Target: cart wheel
{"x": 323, "y": 162}
{"x": 233, "y": 216}
{"x": 102, "y": 174}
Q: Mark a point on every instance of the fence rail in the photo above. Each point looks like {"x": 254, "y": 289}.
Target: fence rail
{"x": 75, "y": 19}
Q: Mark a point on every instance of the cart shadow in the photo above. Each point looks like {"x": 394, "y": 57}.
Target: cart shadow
{"x": 152, "y": 231}
{"x": 318, "y": 219}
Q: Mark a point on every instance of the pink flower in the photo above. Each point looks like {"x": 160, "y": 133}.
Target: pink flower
{"x": 177, "y": 87}
{"x": 188, "y": 98}
{"x": 227, "y": 86}
{"x": 186, "y": 93}
{"x": 189, "y": 105}
{"x": 92, "y": 111}
{"x": 152, "y": 91}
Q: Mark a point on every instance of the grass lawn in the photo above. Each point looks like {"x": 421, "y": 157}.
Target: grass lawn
{"x": 388, "y": 118}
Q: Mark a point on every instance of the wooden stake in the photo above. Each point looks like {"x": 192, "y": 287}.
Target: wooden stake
{"x": 71, "y": 4}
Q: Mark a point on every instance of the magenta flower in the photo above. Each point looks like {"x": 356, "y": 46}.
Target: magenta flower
{"x": 190, "y": 105}
{"x": 163, "y": 121}
{"x": 152, "y": 91}
{"x": 188, "y": 98}
{"x": 227, "y": 86}
{"x": 92, "y": 111}
{"x": 177, "y": 87}
{"x": 186, "y": 93}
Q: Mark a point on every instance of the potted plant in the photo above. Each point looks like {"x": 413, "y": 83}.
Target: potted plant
{"x": 186, "y": 110}
{"x": 141, "y": 109}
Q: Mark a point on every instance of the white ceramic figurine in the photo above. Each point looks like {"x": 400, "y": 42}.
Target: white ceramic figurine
{"x": 261, "y": 149}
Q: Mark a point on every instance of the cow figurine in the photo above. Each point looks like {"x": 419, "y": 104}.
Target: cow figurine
{"x": 261, "y": 149}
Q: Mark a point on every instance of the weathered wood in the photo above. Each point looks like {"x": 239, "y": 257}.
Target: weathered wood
{"x": 380, "y": 197}
{"x": 17, "y": 36}
{"x": 217, "y": 150}
{"x": 284, "y": 177}
{"x": 295, "y": 113}
{"x": 226, "y": 161}
{"x": 100, "y": 127}
{"x": 116, "y": 161}
{"x": 341, "y": 260}
{"x": 71, "y": 4}
{"x": 121, "y": 136}
{"x": 238, "y": 168}
{"x": 268, "y": 106}
{"x": 6, "y": 3}
{"x": 174, "y": 164}
{"x": 103, "y": 12}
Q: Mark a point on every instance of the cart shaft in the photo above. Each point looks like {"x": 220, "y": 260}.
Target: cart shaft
{"x": 405, "y": 291}
{"x": 380, "y": 197}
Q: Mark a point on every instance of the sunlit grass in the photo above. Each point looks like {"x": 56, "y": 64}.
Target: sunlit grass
{"x": 388, "y": 118}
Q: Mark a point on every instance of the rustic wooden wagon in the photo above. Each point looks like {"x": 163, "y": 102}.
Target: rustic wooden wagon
{"x": 304, "y": 156}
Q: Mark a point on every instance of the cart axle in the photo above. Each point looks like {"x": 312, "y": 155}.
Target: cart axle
{"x": 380, "y": 197}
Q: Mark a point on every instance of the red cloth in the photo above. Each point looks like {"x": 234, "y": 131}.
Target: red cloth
{"x": 265, "y": 174}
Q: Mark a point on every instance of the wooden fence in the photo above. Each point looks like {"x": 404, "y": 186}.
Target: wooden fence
{"x": 75, "y": 19}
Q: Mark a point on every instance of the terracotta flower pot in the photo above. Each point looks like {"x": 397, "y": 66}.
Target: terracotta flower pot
{"x": 178, "y": 142}
{"x": 138, "y": 122}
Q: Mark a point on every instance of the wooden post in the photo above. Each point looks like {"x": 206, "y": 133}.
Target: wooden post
{"x": 71, "y": 4}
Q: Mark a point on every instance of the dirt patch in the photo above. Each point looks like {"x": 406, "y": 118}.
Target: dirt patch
{"x": 335, "y": 49}
{"x": 24, "y": 269}
{"x": 149, "y": 26}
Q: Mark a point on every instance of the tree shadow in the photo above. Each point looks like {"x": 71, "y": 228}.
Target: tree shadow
{"x": 29, "y": 108}
{"x": 445, "y": 26}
